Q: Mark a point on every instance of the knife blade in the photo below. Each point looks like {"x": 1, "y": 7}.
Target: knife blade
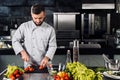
{"x": 31, "y": 63}
{"x": 3, "y": 71}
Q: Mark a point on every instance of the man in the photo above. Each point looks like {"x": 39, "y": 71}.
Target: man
{"x": 39, "y": 39}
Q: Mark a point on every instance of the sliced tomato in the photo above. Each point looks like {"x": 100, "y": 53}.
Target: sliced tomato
{"x": 41, "y": 67}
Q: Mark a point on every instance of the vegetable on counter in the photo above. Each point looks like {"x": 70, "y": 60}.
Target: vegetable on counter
{"x": 13, "y": 72}
{"x": 29, "y": 69}
{"x": 79, "y": 71}
{"x": 33, "y": 68}
{"x": 61, "y": 76}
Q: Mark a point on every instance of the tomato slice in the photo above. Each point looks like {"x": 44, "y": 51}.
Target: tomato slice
{"x": 41, "y": 67}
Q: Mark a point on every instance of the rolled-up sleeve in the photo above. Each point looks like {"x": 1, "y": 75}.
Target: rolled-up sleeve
{"x": 52, "y": 46}
{"x": 16, "y": 40}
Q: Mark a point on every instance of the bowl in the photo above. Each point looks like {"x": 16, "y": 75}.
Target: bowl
{"x": 113, "y": 64}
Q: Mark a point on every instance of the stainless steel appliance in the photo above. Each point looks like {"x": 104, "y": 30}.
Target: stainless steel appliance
{"x": 65, "y": 21}
{"x": 65, "y": 26}
{"x": 95, "y": 24}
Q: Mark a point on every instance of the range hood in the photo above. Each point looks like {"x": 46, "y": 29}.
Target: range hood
{"x": 98, "y": 6}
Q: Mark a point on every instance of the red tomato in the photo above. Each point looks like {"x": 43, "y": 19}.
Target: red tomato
{"x": 20, "y": 72}
{"x": 31, "y": 69}
{"x": 16, "y": 72}
{"x": 17, "y": 75}
{"x": 12, "y": 77}
{"x": 66, "y": 78}
{"x": 62, "y": 78}
{"x": 57, "y": 77}
{"x": 41, "y": 67}
{"x": 26, "y": 69}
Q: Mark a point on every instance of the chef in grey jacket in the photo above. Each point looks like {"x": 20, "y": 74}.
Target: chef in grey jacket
{"x": 38, "y": 37}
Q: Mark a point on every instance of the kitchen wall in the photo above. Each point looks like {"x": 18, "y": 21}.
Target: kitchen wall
{"x": 15, "y": 12}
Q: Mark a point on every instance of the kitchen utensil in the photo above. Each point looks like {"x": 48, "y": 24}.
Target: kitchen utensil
{"x": 106, "y": 58}
{"x": 31, "y": 63}
{"x": 63, "y": 67}
{"x": 113, "y": 64}
{"x": 108, "y": 75}
{"x": 5, "y": 69}
{"x": 60, "y": 66}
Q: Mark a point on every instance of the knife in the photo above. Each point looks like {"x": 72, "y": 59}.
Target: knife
{"x": 31, "y": 63}
{"x": 5, "y": 69}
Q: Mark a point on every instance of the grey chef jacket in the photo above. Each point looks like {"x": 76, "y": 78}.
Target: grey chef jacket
{"x": 38, "y": 41}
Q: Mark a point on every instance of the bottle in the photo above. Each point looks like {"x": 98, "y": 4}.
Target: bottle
{"x": 75, "y": 50}
{"x": 68, "y": 58}
{"x": 15, "y": 26}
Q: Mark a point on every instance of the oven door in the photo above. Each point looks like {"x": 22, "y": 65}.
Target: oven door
{"x": 95, "y": 24}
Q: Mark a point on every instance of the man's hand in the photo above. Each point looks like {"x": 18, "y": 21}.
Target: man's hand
{"x": 24, "y": 56}
{"x": 44, "y": 62}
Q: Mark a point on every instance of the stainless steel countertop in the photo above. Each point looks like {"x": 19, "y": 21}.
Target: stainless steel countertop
{"x": 33, "y": 76}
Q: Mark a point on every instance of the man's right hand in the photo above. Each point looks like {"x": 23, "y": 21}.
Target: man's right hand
{"x": 24, "y": 56}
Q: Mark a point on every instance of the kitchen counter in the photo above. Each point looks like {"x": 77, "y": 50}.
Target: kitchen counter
{"x": 36, "y": 75}
{"x": 89, "y": 56}
{"x": 33, "y": 76}
{"x": 83, "y": 51}
{"x": 62, "y": 51}
{"x": 43, "y": 76}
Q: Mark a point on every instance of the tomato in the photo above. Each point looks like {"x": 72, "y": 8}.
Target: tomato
{"x": 16, "y": 72}
{"x": 20, "y": 72}
{"x": 12, "y": 77}
{"x": 41, "y": 67}
{"x": 17, "y": 75}
{"x": 31, "y": 69}
{"x": 57, "y": 77}
{"x": 26, "y": 69}
{"x": 62, "y": 79}
{"x": 66, "y": 78}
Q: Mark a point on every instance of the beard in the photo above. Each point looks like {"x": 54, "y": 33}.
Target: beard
{"x": 38, "y": 24}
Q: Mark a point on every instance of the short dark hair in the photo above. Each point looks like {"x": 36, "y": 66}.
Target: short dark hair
{"x": 37, "y": 8}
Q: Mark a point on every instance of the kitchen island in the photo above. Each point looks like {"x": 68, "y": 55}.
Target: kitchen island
{"x": 37, "y": 74}
{"x": 33, "y": 76}
{"x": 43, "y": 76}
{"x": 89, "y": 56}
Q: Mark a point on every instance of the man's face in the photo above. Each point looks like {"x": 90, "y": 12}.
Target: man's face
{"x": 38, "y": 18}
